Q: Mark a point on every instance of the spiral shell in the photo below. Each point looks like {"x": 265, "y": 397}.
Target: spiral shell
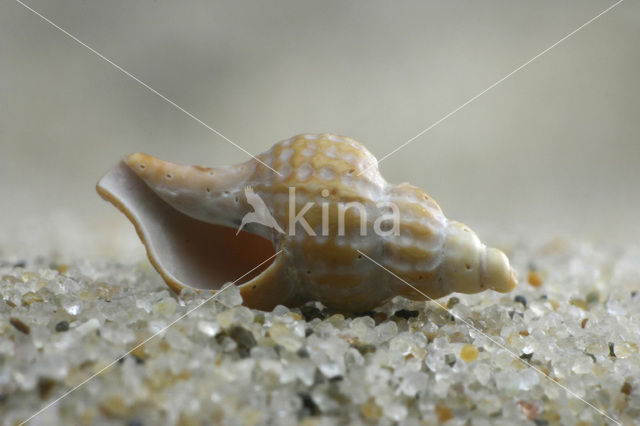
{"x": 322, "y": 206}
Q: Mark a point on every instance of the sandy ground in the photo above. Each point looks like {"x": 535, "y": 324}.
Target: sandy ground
{"x": 561, "y": 349}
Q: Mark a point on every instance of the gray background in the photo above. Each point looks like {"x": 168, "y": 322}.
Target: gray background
{"x": 553, "y": 150}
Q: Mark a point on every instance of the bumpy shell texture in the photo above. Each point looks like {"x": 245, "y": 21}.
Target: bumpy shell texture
{"x": 326, "y": 206}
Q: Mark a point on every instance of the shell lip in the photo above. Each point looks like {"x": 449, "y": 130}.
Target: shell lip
{"x": 102, "y": 188}
{"x": 122, "y": 187}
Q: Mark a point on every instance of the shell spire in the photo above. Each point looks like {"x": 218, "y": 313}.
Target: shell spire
{"x": 205, "y": 226}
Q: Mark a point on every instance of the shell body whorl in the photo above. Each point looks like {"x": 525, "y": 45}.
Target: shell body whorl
{"x": 329, "y": 204}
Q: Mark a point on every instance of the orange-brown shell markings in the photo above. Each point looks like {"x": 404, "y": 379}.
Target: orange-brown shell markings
{"x": 421, "y": 231}
{"x": 331, "y": 177}
{"x": 317, "y": 162}
{"x": 324, "y": 170}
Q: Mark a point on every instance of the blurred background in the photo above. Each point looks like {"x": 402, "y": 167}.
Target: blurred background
{"x": 553, "y": 150}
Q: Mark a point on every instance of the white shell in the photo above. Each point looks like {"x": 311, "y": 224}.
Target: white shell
{"x": 188, "y": 216}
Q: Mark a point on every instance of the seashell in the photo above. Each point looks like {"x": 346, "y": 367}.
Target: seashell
{"x": 326, "y": 206}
